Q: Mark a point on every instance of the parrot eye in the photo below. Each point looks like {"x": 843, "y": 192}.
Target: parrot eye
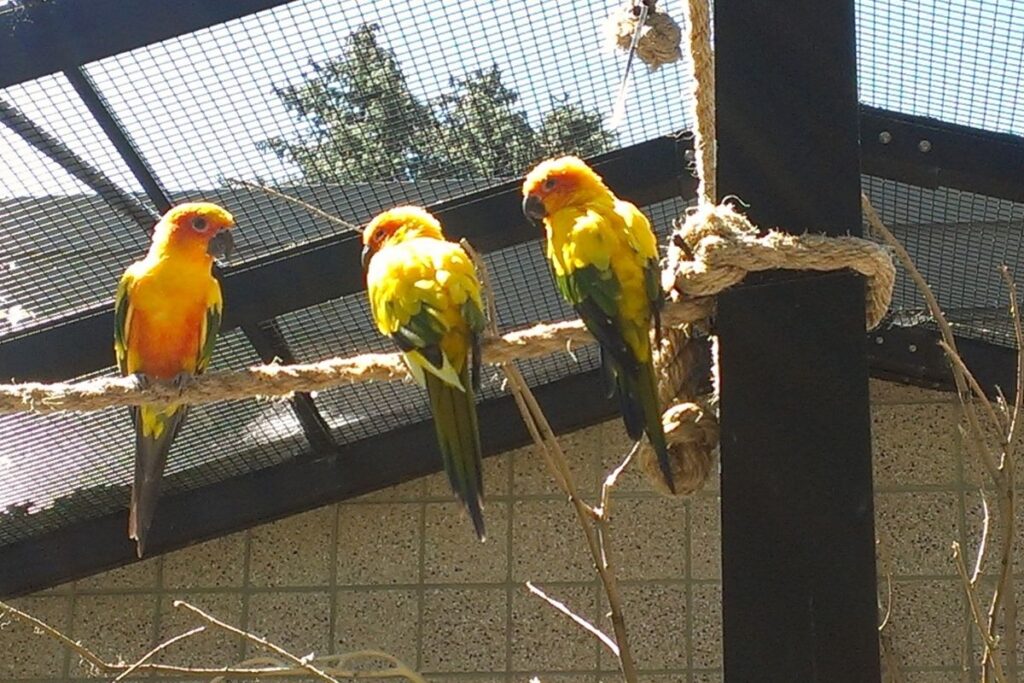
{"x": 199, "y": 224}
{"x": 550, "y": 183}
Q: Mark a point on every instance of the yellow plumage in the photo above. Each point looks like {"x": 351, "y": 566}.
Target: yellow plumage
{"x": 167, "y": 313}
{"x": 424, "y": 295}
{"x": 604, "y": 257}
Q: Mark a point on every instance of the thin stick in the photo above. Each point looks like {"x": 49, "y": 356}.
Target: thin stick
{"x": 976, "y": 615}
{"x": 944, "y": 327}
{"x": 954, "y": 357}
{"x": 262, "y": 642}
{"x": 604, "y": 511}
{"x": 294, "y": 200}
{"x": 983, "y": 545}
{"x": 551, "y": 451}
{"x": 82, "y": 651}
{"x": 583, "y": 623}
{"x": 149, "y": 655}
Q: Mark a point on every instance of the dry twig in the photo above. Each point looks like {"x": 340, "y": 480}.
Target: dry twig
{"x": 331, "y": 667}
{"x": 593, "y": 523}
{"x": 1005, "y": 421}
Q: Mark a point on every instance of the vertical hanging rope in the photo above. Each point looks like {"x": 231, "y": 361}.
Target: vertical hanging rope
{"x": 702, "y": 64}
{"x": 685, "y": 360}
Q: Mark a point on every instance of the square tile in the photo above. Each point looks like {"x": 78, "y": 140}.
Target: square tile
{"x": 706, "y": 537}
{"x": 707, "y": 626}
{"x": 295, "y": 551}
{"x": 115, "y": 627}
{"x": 299, "y": 622}
{"x": 582, "y": 449}
{"x": 544, "y": 639}
{"x": 496, "y": 479}
{"x": 917, "y": 530}
{"x": 707, "y": 677}
{"x": 378, "y": 619}
{"x": 28, "y": 654}
{"x": 379, "y": 543}
{"x": 452, "y": 553}
{"x": 655, "y": 616}
{"x": 141, "y": 574}
{"x": 914, "y": 444}
{"x": 548, "y": 543}
{"x": 219, "y": 563}
{"x": 928, "y": 623}
{"x": 212, "y": 647}
{"x": 649, "y": 537}
{"x": 464, "y": 629}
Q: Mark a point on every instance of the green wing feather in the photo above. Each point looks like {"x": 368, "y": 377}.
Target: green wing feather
{"x": 452, "y": 402}
{"x": 594, "y": 294}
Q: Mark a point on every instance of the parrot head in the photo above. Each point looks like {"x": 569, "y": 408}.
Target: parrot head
{"x": 557, "y": 183}
{"x": 397, "y": 225}
{"x": 197, "y": 226}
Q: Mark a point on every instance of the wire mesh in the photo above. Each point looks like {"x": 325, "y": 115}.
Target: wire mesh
{"x": 958, "y": 241}
{"x": 960, "y": 61}
{"x": 356, "y": 107}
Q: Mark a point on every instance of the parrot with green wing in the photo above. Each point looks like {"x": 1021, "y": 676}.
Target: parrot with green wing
{"x": 167, "y": 314}
{"x": 604, "y": 258}
{"x": 424, "y": 295}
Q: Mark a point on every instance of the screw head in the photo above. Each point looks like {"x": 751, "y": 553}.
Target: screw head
{"x": 885, "y": 137}
{"x": 913, "y": 348}
{"x": 924, "y": 146}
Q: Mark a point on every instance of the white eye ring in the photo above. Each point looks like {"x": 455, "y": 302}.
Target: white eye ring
{"x": 199, "y": 224}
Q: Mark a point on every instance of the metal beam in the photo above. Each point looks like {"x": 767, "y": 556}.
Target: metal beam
{"x": 118, "y": 136}
{"x": 798, "y": 561}
{"x": 315, "y": 272}
{"x": 40, "y": 38}
{"x": 286, "y": 489}
{"x": 931, "y": 153}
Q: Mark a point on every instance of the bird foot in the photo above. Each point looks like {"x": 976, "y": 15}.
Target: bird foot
{"x": 142, "y": 381}
{"x": 183, "y": 380}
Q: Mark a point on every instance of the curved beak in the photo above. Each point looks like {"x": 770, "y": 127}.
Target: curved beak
{"x": 221, "y": 245}
{"x": 367, "y": 255}
{"x": 533, "y": 207}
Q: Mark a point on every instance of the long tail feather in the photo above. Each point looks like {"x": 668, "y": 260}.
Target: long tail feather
{"x": 458, "y": 435}
{"x": 150, "y": 460}
{"x": 641, "y": 412}
{"x": 647, "y": 391}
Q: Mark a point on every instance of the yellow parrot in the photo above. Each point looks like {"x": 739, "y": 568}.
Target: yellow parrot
{"x": 425, "y": 296}
{"x": 604, "y": 258}
{"x": 167, "y": 313}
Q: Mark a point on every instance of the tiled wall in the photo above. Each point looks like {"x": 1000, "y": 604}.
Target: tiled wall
{"x": 399, "y": 570}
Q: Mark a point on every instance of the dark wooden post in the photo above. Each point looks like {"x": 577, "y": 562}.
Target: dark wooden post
{"x": 798, "y": 563}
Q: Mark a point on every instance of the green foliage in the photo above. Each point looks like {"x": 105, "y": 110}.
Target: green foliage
{"x": 365, "y": 124}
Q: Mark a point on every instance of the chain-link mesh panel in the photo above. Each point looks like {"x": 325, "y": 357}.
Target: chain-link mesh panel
{"x": 961, "y": 61}
{"x": 958, "y": 240}
{"x": 364, "y": 98}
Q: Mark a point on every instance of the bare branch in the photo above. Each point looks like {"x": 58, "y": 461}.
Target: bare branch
{"x": 262, "y": 642}
{"x": 152, "y": 653}
{"x": 976, "y": 614}
{"x": 294, "y": 200}
{"x": 580, "y": 621}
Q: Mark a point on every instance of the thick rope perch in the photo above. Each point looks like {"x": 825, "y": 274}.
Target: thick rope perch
{"x": 725, "y": 247}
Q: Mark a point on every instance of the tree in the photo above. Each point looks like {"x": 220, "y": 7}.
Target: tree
{"x": 365, "y": 124}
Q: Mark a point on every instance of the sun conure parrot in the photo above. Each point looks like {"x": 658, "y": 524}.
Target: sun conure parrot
{"x": 604, "y": 258}
{"x": 167, "y": 313}
{"x": 425, "y": 296}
